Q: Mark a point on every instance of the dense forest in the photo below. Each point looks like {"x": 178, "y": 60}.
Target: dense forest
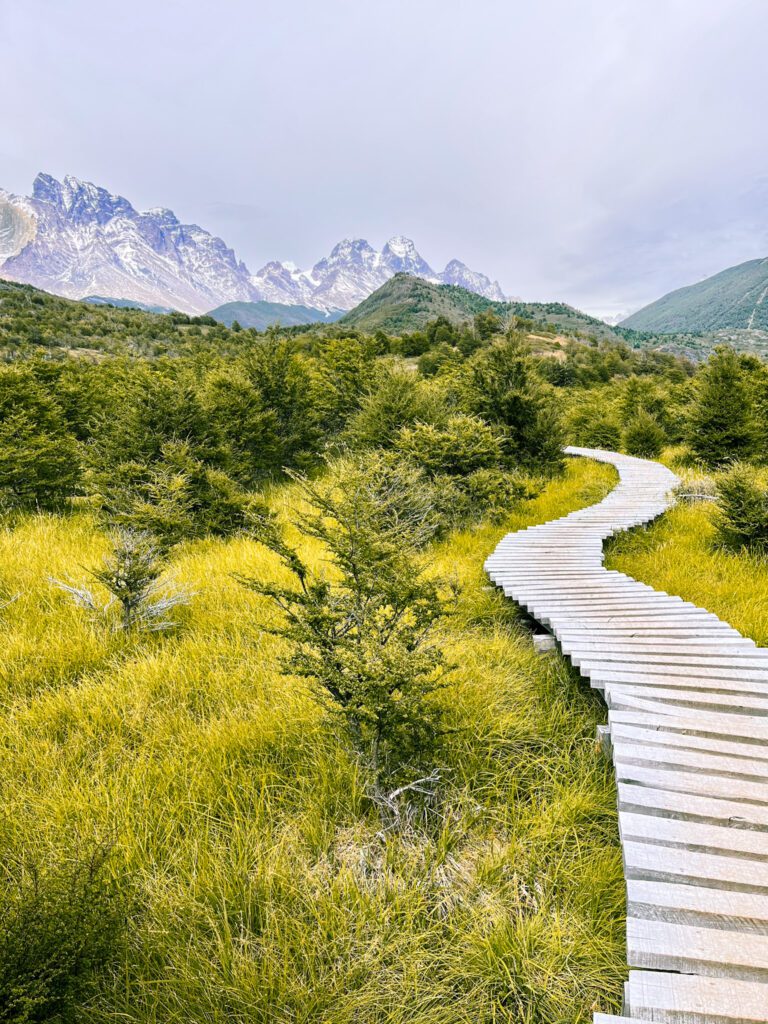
{"x": 272, "y": 748}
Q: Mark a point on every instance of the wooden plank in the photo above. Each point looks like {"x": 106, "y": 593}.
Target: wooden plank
{"x": 694, "y": 999}
{"x": 674, "y": 864}
{"x": 693, "y": 782}
{"x": 692, "y": 904}
{"x": 739, "y": 728}
{"x": 635, "y": 795}
{"x": 695, "y": 670}
{"x": 714, "y": 698}
{"x": 681, "y": 759}
{"x": 669, "y": 946}
{"x": 719, "y": 839}
{"x": 749, "y": 660}
{"x": 680, "y": 739}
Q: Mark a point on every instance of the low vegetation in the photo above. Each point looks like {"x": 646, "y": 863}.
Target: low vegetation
{"x": 258, "y": 879}
{"x": 263, "y": 715}
{"x": 710, "y": 548}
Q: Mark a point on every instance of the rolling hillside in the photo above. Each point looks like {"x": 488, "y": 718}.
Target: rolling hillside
{"x": 407, "y": 303}
{"x": 734, "y": 299}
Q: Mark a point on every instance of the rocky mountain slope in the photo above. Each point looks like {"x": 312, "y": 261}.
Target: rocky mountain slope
{"x": 734, "y": 299}
{"x": 76, "y": 239}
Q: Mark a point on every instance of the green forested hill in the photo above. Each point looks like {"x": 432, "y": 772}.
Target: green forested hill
{"x": 407, "y": 303}
{"x": 736, "y": 298}
{"x": 33, "y": 320}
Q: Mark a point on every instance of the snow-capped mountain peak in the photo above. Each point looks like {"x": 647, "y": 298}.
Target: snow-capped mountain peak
{"x": 458, "y": 273}
{"x": 74, "y": 238}
{"x": 401, "y": 256}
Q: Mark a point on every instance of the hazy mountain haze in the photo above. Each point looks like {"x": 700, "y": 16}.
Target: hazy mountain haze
{"x": 600, "y": 153}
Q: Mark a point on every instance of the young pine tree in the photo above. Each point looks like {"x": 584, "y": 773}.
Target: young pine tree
{"x": 365, "y": 636}
{"x": 742, "y": 512}
{"x": 643, "y": 435}
{"x": 132, "y": 575}
{"x": 505, "y": 389}
{"x": 721, "y": 423}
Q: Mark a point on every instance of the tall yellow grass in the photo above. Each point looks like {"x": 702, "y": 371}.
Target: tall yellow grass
{"x": 263, "y": 890}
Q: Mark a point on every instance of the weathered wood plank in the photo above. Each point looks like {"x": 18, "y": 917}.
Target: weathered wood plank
{"x": 693, "y": 999}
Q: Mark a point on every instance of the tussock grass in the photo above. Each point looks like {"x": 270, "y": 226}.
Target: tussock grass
{"x": 263, "y": 889}
{"x": 680, "y": 554}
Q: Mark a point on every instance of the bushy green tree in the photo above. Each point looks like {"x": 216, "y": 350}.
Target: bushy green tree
{"x": 60, "y": 929}
{"x": 244, "y": 429}
{"x": 365, "y": 635}
{"x": 396, "y": 398}
{"x": 721, "y": 421}
{"x": 593, "y": 421}
{"x": 142, "y": 407}
{"x": 437, "y": 359}
{"x": 486, "y": 324}
{"x": 643, "y": 435}
{"x": 176, "y": 497}
{"x": 344, "y": 373}
{"x": 503, "y": 387}
{"x": 441, "y": 332}
{"x": 742, "y": 510}
{"x": 457, "y": 447}
{"x": 283, "y": 378}
{"x": 39, "y": 458}
{"x": 494, "y": 493}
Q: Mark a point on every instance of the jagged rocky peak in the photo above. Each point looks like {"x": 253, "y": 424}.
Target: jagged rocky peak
{"x": 80, "y": 200}
{"x": 18, "y": 225}
{"x": 401, "y": 255}
{"x": 458, "y": 273}
{"x": 349, "y": 251}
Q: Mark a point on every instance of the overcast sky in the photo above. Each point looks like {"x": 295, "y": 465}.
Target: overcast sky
{"x": 599, "y": 152}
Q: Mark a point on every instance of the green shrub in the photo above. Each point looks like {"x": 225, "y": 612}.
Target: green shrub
{"x": 643, "y": 435}
{"x": 396, "y": 399}
{"x": 176, "y": 498}
{"x": 59, "y": 930}
{"x": 593, "y": 427}
{"x": 344, "y": 373}
{"x": 742, "y": 513}
{"x": 436, "y": 359}
{"x": 721, "y": 424}
{"x": 458, "y": 447}
{"x": 39, "y": 459}
{"x": 244, "y": 427}
{"x": 365, "y": 637}
{"x": 504, "y": 388}
{"x": 495, "y": 493}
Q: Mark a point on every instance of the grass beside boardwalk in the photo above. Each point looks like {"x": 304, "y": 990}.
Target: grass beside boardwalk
{"x": 259, "y": 887}
{"x": 680, "y": 554}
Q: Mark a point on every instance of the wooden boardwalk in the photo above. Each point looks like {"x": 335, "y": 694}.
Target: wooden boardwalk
{"x": 687, "y": 730}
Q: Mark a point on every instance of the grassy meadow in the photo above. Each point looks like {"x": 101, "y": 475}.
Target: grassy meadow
{"x": 683, "y": 555}
{"x": 248, "y": 876}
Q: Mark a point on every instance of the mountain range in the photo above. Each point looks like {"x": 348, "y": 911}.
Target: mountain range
{"x": 734, "y": 299}
{"x": 76, "y": 239}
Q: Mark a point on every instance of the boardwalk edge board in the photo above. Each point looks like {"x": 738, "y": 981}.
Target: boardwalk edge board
{"x": 687, "y": 731}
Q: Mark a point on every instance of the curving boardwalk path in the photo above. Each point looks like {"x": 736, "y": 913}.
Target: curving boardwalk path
{"x": 687, "y": 700}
